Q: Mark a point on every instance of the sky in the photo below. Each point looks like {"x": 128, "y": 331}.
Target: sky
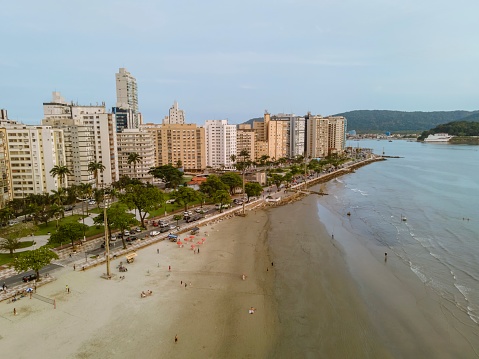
{"x": 236, "y": 59}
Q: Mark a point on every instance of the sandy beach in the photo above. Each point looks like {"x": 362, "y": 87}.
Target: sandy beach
{"x": 314, "y": 296}
{"x": 107, "y": 318}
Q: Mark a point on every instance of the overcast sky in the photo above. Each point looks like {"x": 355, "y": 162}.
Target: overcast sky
{"x": 235, "y": 59}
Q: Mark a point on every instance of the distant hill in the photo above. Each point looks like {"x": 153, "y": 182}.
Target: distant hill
{"x": 380, "y": 121}
{"x": 364, "y": 121}
{"x": 456, "y": 128}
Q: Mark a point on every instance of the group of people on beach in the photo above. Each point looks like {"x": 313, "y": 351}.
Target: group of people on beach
{"x": 145, "y": 294}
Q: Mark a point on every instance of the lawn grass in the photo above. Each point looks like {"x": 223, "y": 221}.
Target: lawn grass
{"x": 25, "y": 244}
{"x": 5, "y": 258}
{"x": 52, "y": 225}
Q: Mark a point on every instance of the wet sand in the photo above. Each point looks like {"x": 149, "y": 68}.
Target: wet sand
{"x": 339, "y": 298}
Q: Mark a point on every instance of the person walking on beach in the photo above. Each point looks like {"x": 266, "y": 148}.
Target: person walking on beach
{"x": 67, "y": 289}
{"x": 176, "y": 338}
{"x": 74, "y": 266}
{"x": 158, "y": 250}
{"x": 169, "y": 268}
{"x": 14, "y": 311}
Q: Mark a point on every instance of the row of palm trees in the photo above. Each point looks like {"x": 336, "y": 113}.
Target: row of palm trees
{"x": 61, "y": 171}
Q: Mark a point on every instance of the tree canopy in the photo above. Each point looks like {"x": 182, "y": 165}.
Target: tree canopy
{"x": 172, "y": 176}
{"x": 34, "y": 260}
{"x": 144, "y": 198}
{"x": 253, "y": 189}
{"x": 232, "y": 180}
{"x": 68, "y": 232}
{"x": 185, "y": 195}
{"x": 211, "y": 185}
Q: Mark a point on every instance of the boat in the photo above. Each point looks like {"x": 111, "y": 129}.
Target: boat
{"x": 403, "y": 218}
{"x": 438, "y": 137}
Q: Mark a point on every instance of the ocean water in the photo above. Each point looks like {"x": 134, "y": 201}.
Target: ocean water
{"x": 435, "y": 187}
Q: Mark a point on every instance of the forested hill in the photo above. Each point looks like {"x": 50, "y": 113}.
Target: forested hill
{"x": 364, "y": 121}
{"x": 380, "y": 121}
{"x": 456, "y": 128}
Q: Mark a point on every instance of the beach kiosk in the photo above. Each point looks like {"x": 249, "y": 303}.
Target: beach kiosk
{"x": 130, "y": 257}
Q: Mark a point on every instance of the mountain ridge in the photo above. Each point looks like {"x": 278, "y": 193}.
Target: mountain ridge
{"x": 379, "y": 121}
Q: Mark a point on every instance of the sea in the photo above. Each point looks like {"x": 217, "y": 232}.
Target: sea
{"x": 423, "y": 208}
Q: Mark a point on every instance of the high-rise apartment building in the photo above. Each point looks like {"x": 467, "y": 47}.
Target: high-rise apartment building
{"x": 127, "y": 98}
{"x": 90, "y": 136}
{"x": 325, "y": 135}
{"x": 245, "y": 140}
{"x": 175, "y": 116}
{"x": 279, "y": 137}
{"x": 140, "y": 142}
{"x": 220, "y": 143}
{"x": 179, "y": 143}
{"x": 30, "y": 152}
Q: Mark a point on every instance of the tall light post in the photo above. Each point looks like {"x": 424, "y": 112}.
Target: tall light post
{"x": 106, "y": 201}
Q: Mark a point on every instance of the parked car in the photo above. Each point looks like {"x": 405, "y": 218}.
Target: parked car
{"x": 164, "y": 229}
{"x": 172, "y": 226}
{"x": 103, "y": 245}
{"x": 92, "y": 202}
{"x": 138, "y": 229}
{"x": 170, "y": 201}
{"x": 224, "y": 206}
{"x": 163, "y": 224}
{"x": 68, "y": 208}
{"x": 193, "y": 219}
{"x": 29, "y": 277}
{"x": 113, "y": 238}
{"x": 131, "y": 238}
{"x": 271, "y": 199}
{"x": 200, "y": 210}
{"x": 154, "y": 233}
{"x": 187, "y": 213}
{"x": 238, "y": 201}
{"x": 127, "y": 232}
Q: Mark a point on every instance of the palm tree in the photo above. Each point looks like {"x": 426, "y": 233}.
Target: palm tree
{"x": 60, "y": 172}
{"x": 134, "y": 158}
{"x": 94, "y": 167}
{"x": 244, "y": 154}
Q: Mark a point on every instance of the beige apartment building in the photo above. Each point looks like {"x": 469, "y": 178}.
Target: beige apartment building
{"x": 179, "y": 142}
{"x": 137, "y": 141}
{"x": 261, "y": 137}
{"x": 245, "y": 140}
{"x": 325, "y": 135}
{"x": 278, "y": 139}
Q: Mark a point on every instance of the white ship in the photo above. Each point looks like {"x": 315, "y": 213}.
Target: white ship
{"x": 438, "y": 137}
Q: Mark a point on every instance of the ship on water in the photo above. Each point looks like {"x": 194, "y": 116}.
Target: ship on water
{"x": 438, "y": 137}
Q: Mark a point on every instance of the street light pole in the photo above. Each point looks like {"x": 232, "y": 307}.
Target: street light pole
{"x": 106, "y": 198}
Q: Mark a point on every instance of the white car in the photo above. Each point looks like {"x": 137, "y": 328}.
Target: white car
{"x": 127, "y": 232}
{"x": 154, "y": 233}
{"x": 113, "y": 238}
{"x": 170, "y": 201}
{"x": 271, "y": 199}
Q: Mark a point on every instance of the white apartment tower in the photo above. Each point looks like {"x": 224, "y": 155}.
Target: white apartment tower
{"x": 127, "y": 95}
{"x": 32, "y": 151}
{"x": 175, "y": 116}
{"x": 90, "y": 136}
{"x": 220, "y": 143}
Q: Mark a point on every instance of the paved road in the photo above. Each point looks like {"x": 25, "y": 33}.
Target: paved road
{"x": 17, "y": 279}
